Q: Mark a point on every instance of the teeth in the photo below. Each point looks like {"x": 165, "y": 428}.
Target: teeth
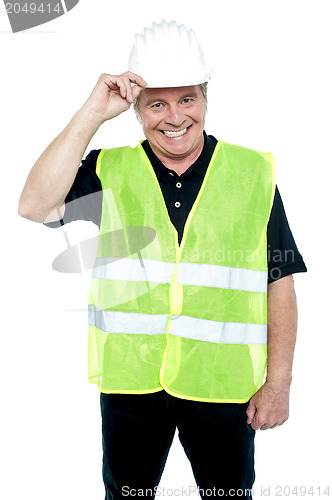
{"x": 168, "y": 133}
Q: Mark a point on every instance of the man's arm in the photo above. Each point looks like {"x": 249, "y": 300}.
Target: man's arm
{"x": 54, "y": 172}
{"x": 269, "y": 407}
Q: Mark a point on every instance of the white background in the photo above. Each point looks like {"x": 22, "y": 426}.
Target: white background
{"x": 271, "y": 91}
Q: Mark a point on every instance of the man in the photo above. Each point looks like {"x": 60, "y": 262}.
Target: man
{"x": 183, "y": 280}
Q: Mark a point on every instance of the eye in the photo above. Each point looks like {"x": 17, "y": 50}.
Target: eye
{"x": 157, "y": 105}
{"x": 186, "y": 100}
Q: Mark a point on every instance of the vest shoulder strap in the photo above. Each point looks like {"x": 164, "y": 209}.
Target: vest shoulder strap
{"x": 117, "y": 156}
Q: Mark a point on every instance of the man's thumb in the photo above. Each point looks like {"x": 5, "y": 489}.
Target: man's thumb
{"x": 136, "y": 91}
{"x": 251, "y": 410}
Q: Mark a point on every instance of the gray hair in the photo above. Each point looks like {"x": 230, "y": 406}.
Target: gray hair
{"x": 203, "y": 87}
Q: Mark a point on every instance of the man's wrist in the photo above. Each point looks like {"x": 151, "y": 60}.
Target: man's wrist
{"x": 279, "y": 381}
{"x": 89, "y": 119}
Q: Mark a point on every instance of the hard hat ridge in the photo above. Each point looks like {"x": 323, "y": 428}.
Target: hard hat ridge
{"x": 168, "y": 55}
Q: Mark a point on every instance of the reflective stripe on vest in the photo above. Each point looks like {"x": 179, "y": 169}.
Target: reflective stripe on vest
{"x": 190, "y": 319}
{"x": 188, "y": 273}
{"x": 133, "y": 323}
{"x": 218, "y": 332}
{"x": 182, "y": 326}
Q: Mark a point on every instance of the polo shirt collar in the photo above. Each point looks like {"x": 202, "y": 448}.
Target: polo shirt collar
{"x": 199, "y": 166}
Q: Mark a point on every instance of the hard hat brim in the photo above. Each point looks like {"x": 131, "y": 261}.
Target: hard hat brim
{"x": 167, "y": 83}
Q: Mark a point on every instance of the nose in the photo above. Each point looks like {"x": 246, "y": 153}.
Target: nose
{"x": 174, "y": 116}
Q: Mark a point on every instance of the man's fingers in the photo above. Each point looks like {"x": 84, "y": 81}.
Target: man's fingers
{"x": 133, "y": 90}
{"x": 256, "y": 424}
{"x": 124, "y": 84}
{"x": 136, "y": 79}
{"x": 266, "y": 426}
{"x": 128, "y": 94}
{"x": 266, "y": 423}
{"x": 259, "y": 420}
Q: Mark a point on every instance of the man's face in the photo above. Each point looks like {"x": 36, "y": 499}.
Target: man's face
{"x": 173, "y": 119}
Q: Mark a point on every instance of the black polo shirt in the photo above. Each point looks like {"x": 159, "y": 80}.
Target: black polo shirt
{"x": 180, "y": 192}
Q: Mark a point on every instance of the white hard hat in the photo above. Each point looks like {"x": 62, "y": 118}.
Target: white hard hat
{"x": 168, "y": 55}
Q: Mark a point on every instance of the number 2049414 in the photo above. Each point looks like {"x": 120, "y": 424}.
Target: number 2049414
{"x": 303, "y": 491}
{"x": 32, "y": 8}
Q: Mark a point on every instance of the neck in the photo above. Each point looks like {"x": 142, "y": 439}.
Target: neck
{"x": 181, "y": 163}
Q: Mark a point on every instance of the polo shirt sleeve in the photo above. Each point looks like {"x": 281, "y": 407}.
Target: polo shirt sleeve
{"x": 84, "y": 199}
{"x": 284, "y": 257}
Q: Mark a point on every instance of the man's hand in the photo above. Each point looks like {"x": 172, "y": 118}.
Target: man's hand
{"x": 269, "y": 406}
{"x": 113, "y": 94}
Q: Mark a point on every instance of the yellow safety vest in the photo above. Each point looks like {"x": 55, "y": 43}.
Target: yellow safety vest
{"x": 190, "y": 319}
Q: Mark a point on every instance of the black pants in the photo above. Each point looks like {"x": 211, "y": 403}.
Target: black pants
{"x": 138, "y": 431}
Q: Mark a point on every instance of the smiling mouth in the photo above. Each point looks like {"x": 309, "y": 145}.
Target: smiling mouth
{"x": 171, "y": 133}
